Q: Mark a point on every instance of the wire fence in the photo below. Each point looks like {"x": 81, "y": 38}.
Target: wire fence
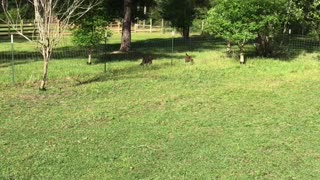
{"x": 20, "y": 51}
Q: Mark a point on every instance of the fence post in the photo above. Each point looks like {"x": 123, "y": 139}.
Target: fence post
{"x": 119, "y": 27}
{"x": 135, "y": 28}
{"x": 172, "y": 34}
{"x": 34, "y": 32}
{"x": 21, "y": 26}
{"x": 12, "y": 59}
{"x": 9, "y": 30}
{"x": 162, "y": 26}
{"x": 202, "y": 26}
{"x": 150, "y": 26}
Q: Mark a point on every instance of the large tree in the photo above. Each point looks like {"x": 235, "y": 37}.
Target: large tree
{"x": 181, "y": 14}
{"x": 239, "y": 21}
{"x": 126, "y": 26}
{"x": 127, "y": 11}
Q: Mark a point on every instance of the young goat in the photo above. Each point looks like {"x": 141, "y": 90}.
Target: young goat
{"x": 146, "y": 60}
{"x": 188, "y": 59}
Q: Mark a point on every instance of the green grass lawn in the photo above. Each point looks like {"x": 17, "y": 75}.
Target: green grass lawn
{"x": 211, "y": 120}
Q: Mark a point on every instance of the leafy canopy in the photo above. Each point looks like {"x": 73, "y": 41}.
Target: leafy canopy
{"x": 91, "y": 31}
{"x": 239, "y": 21}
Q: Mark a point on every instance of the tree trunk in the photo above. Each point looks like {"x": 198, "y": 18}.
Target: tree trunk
{"x": 265, "y": 46}
{"x": 126, "y": 26}
{"x": 186, "y": 32}
{"x": 46, "y": 57}
{"x": 241, "y": 47}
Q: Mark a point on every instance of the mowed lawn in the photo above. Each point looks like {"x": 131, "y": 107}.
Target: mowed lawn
{"x": 215, "y": 119}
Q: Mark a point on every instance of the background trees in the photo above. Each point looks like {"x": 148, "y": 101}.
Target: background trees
{"x": 24, "y": 10}
{"x": 127, "y": 11}
{"x": 13, "y": 12}
{"x": 91, "y": 31}
{"x": 240, "y": 21}
{"x": 229, "y": 21}
{"x": 308, "y": 12}
{"x": 181, "y": 14}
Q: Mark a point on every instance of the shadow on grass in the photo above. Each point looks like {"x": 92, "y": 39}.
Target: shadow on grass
{"x": 140, "y": 48}
{"x": 132, "y": 72}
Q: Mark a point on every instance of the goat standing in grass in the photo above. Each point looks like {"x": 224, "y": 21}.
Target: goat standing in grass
{"x": 188, "y": 59}
{"x": 146, "y": 60}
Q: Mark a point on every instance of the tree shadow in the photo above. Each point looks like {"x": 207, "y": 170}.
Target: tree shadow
{"x": 135, "y": 56}
{"x": 132, "y": 72}
{"x": 161, "y": 48}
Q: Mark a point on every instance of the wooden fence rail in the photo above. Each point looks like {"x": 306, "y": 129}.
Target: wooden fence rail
{"x": 28, "y": 29}
{"x": 140, "y": 27}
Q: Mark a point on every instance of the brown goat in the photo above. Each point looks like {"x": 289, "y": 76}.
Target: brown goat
{"x": 146, "y": 60}
{"x": 188, "y": 59}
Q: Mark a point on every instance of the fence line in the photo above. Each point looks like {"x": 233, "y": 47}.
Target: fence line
{"x": 140, "y": 26}
{"x": 143, "y": 26}
{"x": 66, "y": 49}
{"x": 25, "y": 52}
{"x": 30, "y": 28}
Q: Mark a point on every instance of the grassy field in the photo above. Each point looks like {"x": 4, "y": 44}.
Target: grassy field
{"x": 211, "y": 120}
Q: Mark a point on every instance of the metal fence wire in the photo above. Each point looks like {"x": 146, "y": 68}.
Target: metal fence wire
{"x": 29, "y": 50}
{"x": 23, "y": 51}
